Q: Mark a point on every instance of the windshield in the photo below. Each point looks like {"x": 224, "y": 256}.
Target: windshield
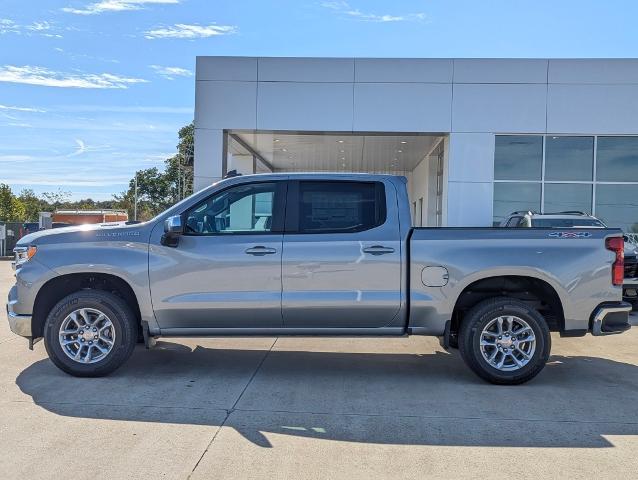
{"x": 566, "y": 222}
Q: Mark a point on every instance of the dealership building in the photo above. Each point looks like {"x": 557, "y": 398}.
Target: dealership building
{"x": 476, "y": 138}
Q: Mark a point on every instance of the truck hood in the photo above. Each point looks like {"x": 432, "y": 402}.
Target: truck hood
{"x": 88, "y": 233}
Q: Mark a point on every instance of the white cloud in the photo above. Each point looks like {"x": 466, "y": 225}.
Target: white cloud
{"x": 43, "y": 28}
{"x": 42, "y": 76}
{"x": 21, "y": 109}
{"x": 39, "y": 26}
{"x": 344, "y": 8}
{"x": 182, "y": 30}
{"x": 81, "y": 148}
{"x": 115, "y": 6}
{"x": 171, "y": 72}
{"x": 9, "y": 26}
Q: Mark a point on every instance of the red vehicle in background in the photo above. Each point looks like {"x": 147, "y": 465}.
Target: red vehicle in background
{"x": 81, "y": 217}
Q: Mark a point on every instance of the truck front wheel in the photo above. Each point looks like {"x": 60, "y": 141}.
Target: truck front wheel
{"x": 90, "y": 333}
{"x": 504, "y": 341}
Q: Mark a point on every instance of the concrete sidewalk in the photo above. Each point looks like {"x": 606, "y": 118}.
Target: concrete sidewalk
{"x": 317, "y": 408}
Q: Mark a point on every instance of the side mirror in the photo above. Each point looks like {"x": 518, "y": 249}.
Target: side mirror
{"x": 173, "y": 228}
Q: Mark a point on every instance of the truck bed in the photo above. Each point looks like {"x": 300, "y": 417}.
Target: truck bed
{"x": 446, "y": 263}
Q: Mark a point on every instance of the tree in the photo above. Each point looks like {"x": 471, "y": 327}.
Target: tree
{"x": 57, "y": 199}
{"x": 157, "y": 190}
{"x": 11, "y": 209}
{"x": 33, "y": 205}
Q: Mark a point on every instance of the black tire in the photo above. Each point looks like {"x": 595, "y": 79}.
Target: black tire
{"x": 479, "y": 317}
{"x": 124, "y": 324}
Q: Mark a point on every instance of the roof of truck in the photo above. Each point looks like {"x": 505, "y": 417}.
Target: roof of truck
{"x": 324, "y": 175}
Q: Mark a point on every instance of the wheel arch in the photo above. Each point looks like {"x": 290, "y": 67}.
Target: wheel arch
{"x": 59, "y": 287}
{"x": 532, "y": 290}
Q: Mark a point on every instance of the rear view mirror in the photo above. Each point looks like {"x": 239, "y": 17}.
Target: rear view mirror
{"x": 173, "y": 228}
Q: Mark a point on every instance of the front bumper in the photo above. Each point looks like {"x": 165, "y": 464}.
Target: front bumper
{"x": 20, "y": 324}
{"x": 611, "y": 318}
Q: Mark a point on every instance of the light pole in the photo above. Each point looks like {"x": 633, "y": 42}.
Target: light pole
{"x": 135, "y": 207}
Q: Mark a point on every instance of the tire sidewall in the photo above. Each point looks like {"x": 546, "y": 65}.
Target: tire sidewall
{"x": 541, "y": 352}
{"x": 113, "y": 308}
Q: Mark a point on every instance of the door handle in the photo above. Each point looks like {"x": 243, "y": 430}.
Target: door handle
{"x": 260, "y": 250}
{"x": 378, "y": 250}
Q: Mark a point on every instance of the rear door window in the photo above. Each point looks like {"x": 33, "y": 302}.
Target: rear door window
{"x": 338, "y": 207}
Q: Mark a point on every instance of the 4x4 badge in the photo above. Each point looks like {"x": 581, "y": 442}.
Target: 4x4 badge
{"x": 570, "y": 234}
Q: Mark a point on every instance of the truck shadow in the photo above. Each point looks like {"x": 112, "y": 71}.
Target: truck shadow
{"x": 383, "y": 398}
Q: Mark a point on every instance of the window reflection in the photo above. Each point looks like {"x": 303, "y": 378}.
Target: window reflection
{"x": 561, "y": 197}
{"x": 617, "y": 206}
{"x": 617, "y": 159}
{"x": 569, "y": 158}
{"x": 511, "y": 197}
{"x": 518, "y": 157}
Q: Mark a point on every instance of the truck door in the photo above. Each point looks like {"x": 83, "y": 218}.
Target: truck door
{"x": 226, "y": 270}
{"x": 341, "y": 265}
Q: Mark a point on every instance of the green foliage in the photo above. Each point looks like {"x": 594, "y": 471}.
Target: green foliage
{"x": 11, "y": 209}
{"x": 33, "y": 205}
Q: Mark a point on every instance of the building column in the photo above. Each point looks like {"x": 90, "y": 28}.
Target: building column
{"x": 209, "y": 157}
{"x": 470, "y": 177}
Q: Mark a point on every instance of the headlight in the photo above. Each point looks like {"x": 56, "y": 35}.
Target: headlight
{"x": 23, "y": 255}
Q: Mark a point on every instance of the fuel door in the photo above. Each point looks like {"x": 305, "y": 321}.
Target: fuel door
{"x": 435, "y": 276}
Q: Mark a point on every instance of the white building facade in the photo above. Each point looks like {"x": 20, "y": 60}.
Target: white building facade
{"x": 476, "y": 138}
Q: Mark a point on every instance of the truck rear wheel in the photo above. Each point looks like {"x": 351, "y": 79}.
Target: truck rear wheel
{"x": 90, "y": 333}
{"x": 504, "y": 341}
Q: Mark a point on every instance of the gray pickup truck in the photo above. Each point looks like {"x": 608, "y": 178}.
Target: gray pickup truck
{"x": 314, "y": 254}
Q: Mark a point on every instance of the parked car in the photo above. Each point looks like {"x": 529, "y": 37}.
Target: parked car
{"x": 574, "y": 219}
{"x": 336, "y": 256}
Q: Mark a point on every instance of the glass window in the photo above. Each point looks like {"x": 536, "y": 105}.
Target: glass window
{"x": 617, "y": 159}
{"x": 514, "y": 197}
{"x": 569, "y": 158}
{"x": 562, "y": 197}
{"x": 240, "y": 209}
{"x": 518, "y": 157}
{"x": 340, "y": 206}
{"x": 617, "y": 206}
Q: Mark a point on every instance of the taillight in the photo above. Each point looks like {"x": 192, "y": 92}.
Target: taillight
{"x": 617, "y": 245}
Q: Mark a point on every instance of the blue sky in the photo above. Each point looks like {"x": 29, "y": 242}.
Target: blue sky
{"x": 92, "y": 90}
